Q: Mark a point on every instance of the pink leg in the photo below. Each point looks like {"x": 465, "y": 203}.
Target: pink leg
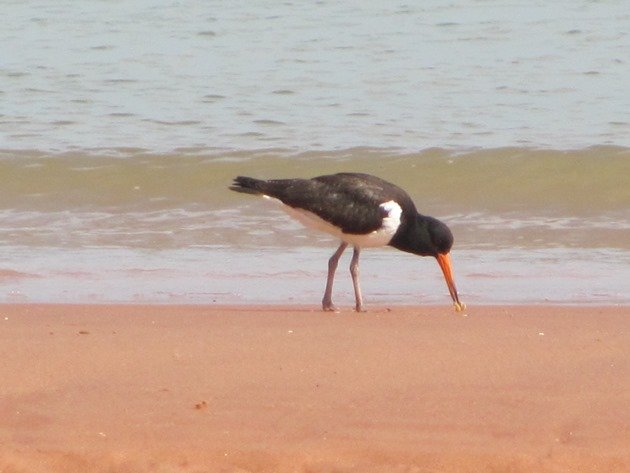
{"x": 354, "y": 272}
{"x": 327, "y": 303}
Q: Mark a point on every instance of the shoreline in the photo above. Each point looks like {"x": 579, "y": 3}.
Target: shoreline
{"x": 132, "y": 387}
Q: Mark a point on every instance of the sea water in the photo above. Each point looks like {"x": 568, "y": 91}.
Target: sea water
{"x": 123, "y": 123}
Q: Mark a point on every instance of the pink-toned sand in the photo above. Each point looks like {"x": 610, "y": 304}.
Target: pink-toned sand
{"x": 287, "y": 389}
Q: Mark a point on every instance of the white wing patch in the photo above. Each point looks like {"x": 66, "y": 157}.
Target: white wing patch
{"x": 380, "y": 237}
{"x": 392, "y": 221}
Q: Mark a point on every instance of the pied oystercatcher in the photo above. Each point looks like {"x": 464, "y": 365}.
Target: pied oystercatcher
{"x": 363, "y": 211}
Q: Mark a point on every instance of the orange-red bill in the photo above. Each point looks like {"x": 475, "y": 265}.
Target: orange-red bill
{"x": 444, "y": 260}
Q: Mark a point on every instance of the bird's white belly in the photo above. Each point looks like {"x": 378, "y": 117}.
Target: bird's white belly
{"x": 379, "y": 237}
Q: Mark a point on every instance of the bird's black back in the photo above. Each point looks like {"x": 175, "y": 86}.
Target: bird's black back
{"x": 349, "y": 201}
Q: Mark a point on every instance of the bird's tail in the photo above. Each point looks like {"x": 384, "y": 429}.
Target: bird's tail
{"x": 247, "y": 185}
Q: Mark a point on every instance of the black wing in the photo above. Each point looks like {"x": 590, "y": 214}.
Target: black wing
{"x": 349, "y": 201}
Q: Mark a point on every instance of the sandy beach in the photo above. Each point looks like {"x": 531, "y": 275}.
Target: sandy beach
{"x": 133, "y": 388}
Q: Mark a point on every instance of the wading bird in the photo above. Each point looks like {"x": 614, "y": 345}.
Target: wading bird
{"x": 363, "y": 211}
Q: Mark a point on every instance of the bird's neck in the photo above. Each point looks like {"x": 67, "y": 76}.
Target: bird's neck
{"x": 413, "y": 237}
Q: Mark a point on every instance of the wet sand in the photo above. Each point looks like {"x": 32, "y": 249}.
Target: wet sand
{"x": 116, "y": 388}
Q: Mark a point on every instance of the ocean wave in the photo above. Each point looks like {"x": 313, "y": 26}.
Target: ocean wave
{"x": 503, "y": 196}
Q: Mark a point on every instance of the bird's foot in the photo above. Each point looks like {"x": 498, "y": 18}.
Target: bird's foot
{"x": 360, "y": 308}
{"x": 459, "y": 306}
{"x": 328, "y": 306}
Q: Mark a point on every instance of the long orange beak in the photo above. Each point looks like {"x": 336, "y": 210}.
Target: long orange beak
{"x": 444, "y": 260}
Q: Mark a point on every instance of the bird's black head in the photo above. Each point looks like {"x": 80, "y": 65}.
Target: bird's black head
{"x": 426, "y": 236}
{"x": 440, "y": 235}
